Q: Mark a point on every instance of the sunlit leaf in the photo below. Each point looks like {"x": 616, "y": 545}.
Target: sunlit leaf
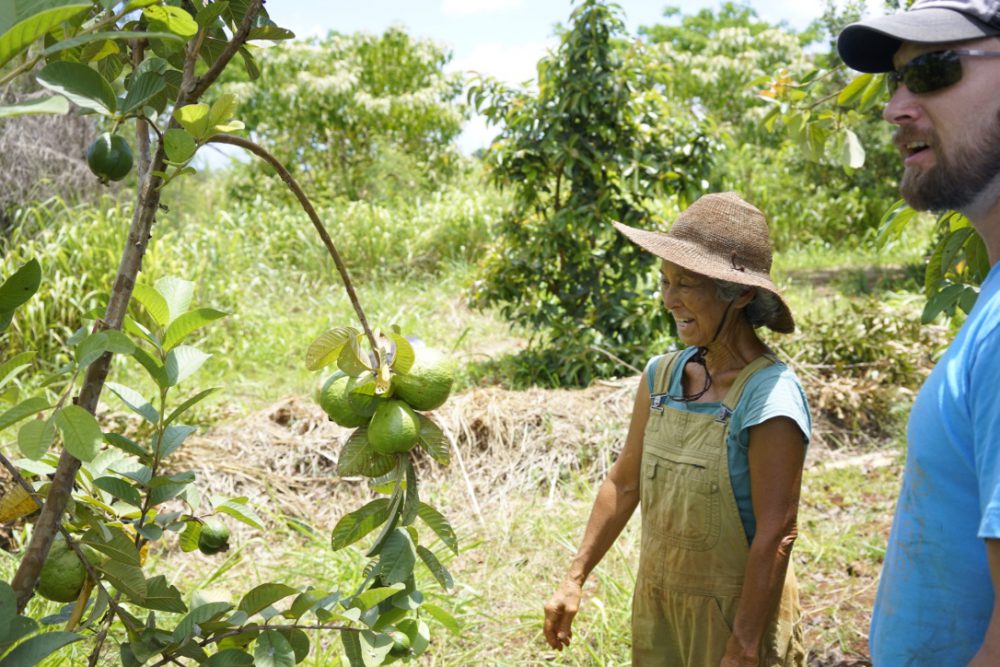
{"x": 35, "y": 437}
{"x": 142, "y": 88}
{"x": 324, "y": 350}
{"x": 436, "y": 522}
{"x": 186, "y": 324}
{"x": 20, "y": 286}
{"x": 24, "y": 23}
{"x": 178, "y": 294}
{"x": 173, "y": 19}
{"x": 135, "y": 401}
{"x": 54, "y": 104}
{"x": 182, "y": 362}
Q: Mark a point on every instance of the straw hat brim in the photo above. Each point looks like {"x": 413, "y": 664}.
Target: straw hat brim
{"x": 694, "y": 258}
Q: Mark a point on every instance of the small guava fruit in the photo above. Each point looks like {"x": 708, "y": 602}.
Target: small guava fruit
{"x": 110, "y": 157}
{"x": 394, "y": 428}
{"x": 214, "y": 537}
{"x": 363, "y": 404}
{"x": 427, "y": 384}
{"x": 336, "y": 403}
{"x": 401, "y": 643}
{"x": 62, "y": 575}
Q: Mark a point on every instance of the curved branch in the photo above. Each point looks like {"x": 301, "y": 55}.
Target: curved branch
{"x": 293, "y": 185}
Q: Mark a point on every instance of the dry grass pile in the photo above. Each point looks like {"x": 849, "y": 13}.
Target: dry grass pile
{"x": 504, "y": 443}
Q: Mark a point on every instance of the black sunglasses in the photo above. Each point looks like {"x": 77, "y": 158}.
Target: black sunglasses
{"x": 933, "y": 71}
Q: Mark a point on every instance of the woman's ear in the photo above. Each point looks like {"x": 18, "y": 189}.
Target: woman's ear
{"x": 748, "y": 295}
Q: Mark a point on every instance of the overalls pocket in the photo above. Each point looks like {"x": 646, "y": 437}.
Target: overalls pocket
{"x": 681, "y": 498}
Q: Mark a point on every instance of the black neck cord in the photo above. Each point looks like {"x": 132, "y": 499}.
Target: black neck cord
{"x": 699, "y": 358}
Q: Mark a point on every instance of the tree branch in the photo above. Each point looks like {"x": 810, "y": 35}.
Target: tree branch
{"x": 293, "y": 185}
{"x": 202, "y": 83}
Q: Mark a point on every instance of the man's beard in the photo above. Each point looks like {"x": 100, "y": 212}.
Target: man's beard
{"x": 956, "y": 181}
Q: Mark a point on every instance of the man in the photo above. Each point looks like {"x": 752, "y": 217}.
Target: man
{"x": 936, "y": 602}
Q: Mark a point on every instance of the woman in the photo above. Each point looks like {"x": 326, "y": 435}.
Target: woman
{"x": 714, "y": 453}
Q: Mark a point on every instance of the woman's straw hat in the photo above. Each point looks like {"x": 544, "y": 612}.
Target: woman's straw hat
{"x": 719, "y": 236}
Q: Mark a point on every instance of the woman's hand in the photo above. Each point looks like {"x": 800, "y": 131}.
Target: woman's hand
{"x": 559, "y": 613}
{"x": 737, "y": 656}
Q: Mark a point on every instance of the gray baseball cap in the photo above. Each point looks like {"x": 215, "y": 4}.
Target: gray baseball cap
{"x": 868, "y": 46}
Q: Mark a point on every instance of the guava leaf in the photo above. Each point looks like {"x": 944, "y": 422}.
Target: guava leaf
{"x": 852, "y": 153}
{"x": 357, "y": 458}
{"x": 230, "y": 657}
{"x": 197, "y": 616}
{"x": 120, "y": 489}
{"x": 853, "y": 90}
{"x": 436, "y": 522}
{"x": 375, "y": 647}
{"x": 179, "y": 145}
{"x": 402, "y": 360}
{"x": 352, "y": 648}
{"x": 135, "y": 401}
{"x": 119, "y": 546}
{"x": 325, "y": 349}
{"x": 125, "y": 444}
{"x": 440, "y": 572}
{"x": 240, "y": 509}
{"x": 54, "y": 104}
{"x": 10, "y": 368}
{"x": 154, "y": 303}
{"x": 351, "y": 359}
{"x": 355, "y": 525}
{"x": 194, "y": 119}
{"x": 22, "y": 410}
{"x": 173, "y": 19}
{"x": 163, "y": 597}
{"x": 263, "y": 596}
{"x": 37, "y": 648}
{"x": 35, "y": 437}
{"x": 442, "y": 617}
{"x": 191, "y": 402}
{"x": 397, "y": 557}
{"x": 186, "y": 324}
{"x": 178, "y": 294}
{"x": 82, "y": 436}
{"x": 20, "y": 286}
{"x": 434, "y": 440}
{"x": 19, "y": 29}
{"x": 273, "y": 650}
{"x": 82, "y": 85}
{"x": 143, "y": 88}
{"x": 126, "y": 578}
{"x": 182, "y": 362}
{"x": 222, "y": 110}
{"x": 373, "y": 596}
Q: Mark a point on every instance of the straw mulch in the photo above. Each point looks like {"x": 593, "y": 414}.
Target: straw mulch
{"x": 505, "y": 443}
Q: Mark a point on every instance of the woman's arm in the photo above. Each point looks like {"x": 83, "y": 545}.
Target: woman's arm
{"x": 617, "y": 498}
{"x": 776, "y": 454}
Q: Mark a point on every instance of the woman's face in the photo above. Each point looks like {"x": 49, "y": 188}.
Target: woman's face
{"x": 693, "y": 301}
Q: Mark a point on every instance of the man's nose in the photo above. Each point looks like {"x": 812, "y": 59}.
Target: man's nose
{"x": 903, "y": 107}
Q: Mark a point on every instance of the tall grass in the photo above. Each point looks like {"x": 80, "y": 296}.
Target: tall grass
{"x": 264, "y": 264}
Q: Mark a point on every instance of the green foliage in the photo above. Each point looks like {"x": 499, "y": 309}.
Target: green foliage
{"x": 31, "y": 647}
{"x": 597, "y": 142}
{"x": 378, "y": 121}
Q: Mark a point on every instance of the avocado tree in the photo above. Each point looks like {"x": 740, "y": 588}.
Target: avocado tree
{"x": 597, "y": 141}
{"x": 152, "y": 67}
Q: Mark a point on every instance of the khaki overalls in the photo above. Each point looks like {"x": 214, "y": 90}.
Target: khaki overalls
{"x": 694, "y": 548}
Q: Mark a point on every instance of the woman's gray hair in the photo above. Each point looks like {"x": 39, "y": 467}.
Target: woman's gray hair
{"x": 764, "y": 307}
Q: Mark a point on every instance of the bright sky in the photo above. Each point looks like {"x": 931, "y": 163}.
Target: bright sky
{"x": 502, "y": 38}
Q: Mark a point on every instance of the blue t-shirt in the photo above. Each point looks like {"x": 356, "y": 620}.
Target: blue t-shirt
{"x": 935, "y": 595}
{"x": 770, "y": 392}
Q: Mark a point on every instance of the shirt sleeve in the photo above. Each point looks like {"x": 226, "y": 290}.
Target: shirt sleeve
{"x": 984, "y": 417}
{"x": 773, "y": 392}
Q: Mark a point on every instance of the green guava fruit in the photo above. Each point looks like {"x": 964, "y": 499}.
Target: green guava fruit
{"x": 336, "y": 403}
{"x": 110, "y": 157}
{"x": 62, "y": 575}
{"x": 427, "y": 384}
{"x": 214, "y": 537}
{"x": 400, "y": 644}
{"x": 394, "y": 428}
{"x": 363, "y": 404}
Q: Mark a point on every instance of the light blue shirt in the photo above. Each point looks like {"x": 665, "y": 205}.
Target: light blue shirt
{"x": 935, "y": 595}
{"x": 770, "y": 392}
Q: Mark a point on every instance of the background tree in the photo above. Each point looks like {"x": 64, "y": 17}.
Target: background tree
{"x": 364, "y": 116}
{"x": 598, "y": 141}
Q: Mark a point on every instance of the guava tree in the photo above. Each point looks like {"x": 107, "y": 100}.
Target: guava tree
{"x": 597, "y": 141}
{"x": 152, "y": 67}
